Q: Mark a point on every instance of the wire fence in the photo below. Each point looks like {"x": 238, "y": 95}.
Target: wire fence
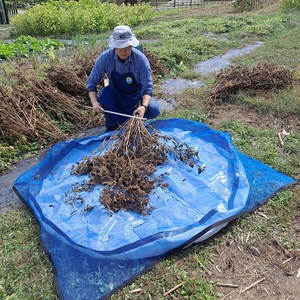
{"x": 12, "y": 9}
{"x": 161, "y": 5}
{"x": 238, "y": 5}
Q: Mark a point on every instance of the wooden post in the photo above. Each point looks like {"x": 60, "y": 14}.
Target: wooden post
{"x": 3, "y": 13}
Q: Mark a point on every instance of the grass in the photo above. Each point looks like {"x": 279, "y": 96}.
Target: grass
{"x": 26, "y": 272}
{"x": 263, "y": 145}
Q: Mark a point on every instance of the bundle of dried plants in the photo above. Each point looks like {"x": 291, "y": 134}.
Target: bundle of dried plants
{"x": 32, "y": 108}
{"x": 157, "y": 66}
{"x": 66, "y": 78}
{"x": 126, "y": 164}
{"x": 263, "y": 76}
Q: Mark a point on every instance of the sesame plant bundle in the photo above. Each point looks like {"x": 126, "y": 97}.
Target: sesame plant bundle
{"x": 264, "y": 76}
{"x": 127, "y": 162}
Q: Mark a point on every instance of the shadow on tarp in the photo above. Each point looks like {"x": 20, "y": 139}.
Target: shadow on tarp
{"x": 95, "y": 254}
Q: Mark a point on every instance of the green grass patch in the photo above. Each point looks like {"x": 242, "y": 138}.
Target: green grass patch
{"x": 25, "y": 271}
{"x": 282, "y": 47}
{"x": 280, "y": 102}
{"x": 182, "y": 268}
{"x": 254, "y": 24}
{"x": 12, "y": 150}
{"x": 187, "y": 52}
{"x": 290, "y": 4}
{"x": 264, "y": 146}
{"x": 183, "y": 43}
{"x": 279, "y": 212}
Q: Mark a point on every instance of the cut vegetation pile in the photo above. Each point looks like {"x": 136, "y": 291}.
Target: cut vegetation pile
{"x": 67, "y": 79}
{"x": 126, "y": 164}
{"x": 46, "y": 105}
{"x": 70, "y": 76}
{"x": 157, "y": 66}
{"x": 264, "y": 76}
{"x": 32, "y": 108}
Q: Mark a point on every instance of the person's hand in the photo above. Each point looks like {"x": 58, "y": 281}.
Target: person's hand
{"x": 97, "y": 107}
{"x": 140, "y": 111}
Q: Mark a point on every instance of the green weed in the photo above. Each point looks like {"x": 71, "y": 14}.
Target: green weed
{"x": 74, "y": 17}
{"x": 25, "y": 270}
{"x": 264, "y": 145}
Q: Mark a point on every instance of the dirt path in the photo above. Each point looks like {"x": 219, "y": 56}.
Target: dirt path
{"x": 262, "y": 270}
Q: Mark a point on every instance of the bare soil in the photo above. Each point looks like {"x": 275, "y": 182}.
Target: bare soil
{"x": 252, "y": 117}
{"x": 265, "y": 269}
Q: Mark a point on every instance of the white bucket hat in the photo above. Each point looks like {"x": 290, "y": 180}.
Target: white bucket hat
{"x": 123, "y": 37}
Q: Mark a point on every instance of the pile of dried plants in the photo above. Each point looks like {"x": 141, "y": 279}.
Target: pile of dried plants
{"x": 263, "y": 76}
{"x": 70, "y": 75}
{"x": 157, "y": 66}
{"x": 31, "y": 108}
{"x": 65, "y": 78}
{"x": 126, "y": 164}
{"x": 43, "y": 103}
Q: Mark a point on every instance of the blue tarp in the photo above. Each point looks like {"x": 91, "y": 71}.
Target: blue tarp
{"x": 95, "y": 253}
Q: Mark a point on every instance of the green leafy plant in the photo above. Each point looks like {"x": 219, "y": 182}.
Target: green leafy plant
{"x": 75, "y": 17}
{"x": 23, "y": 46}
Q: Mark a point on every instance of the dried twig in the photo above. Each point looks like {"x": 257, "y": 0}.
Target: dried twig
{"x": 136, "y": 291}
{"x": 287, "y": 260}
{"x": 174, "y": 288}
{"x": 225, "y": 284}
{"x": 263, "y": 215}
{"x": 280, "y": 139}
{"x": 252, "y": 285}
{"x": 201, "y": 264}
{"x": 227, "y": 295}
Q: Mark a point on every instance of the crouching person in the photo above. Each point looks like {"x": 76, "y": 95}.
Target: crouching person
{"x": 130, "y": 83}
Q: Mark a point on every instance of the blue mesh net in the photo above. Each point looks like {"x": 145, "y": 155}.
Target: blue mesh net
{"x": 95, "y": 253}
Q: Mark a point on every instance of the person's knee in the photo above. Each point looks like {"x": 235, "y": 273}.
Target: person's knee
{"x": 153, "y": 109}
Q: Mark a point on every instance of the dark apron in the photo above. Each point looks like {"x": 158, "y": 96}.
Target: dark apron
{"x": 122, "y": 96}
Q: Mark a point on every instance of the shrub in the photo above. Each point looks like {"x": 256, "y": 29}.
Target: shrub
{"x": 246, "y": 5}
{"x": 290, "y": 3}
{"x": 78, "y": 17}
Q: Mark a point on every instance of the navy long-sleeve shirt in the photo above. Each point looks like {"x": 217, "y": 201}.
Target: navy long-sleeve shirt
{"x": 108, "y": 61}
